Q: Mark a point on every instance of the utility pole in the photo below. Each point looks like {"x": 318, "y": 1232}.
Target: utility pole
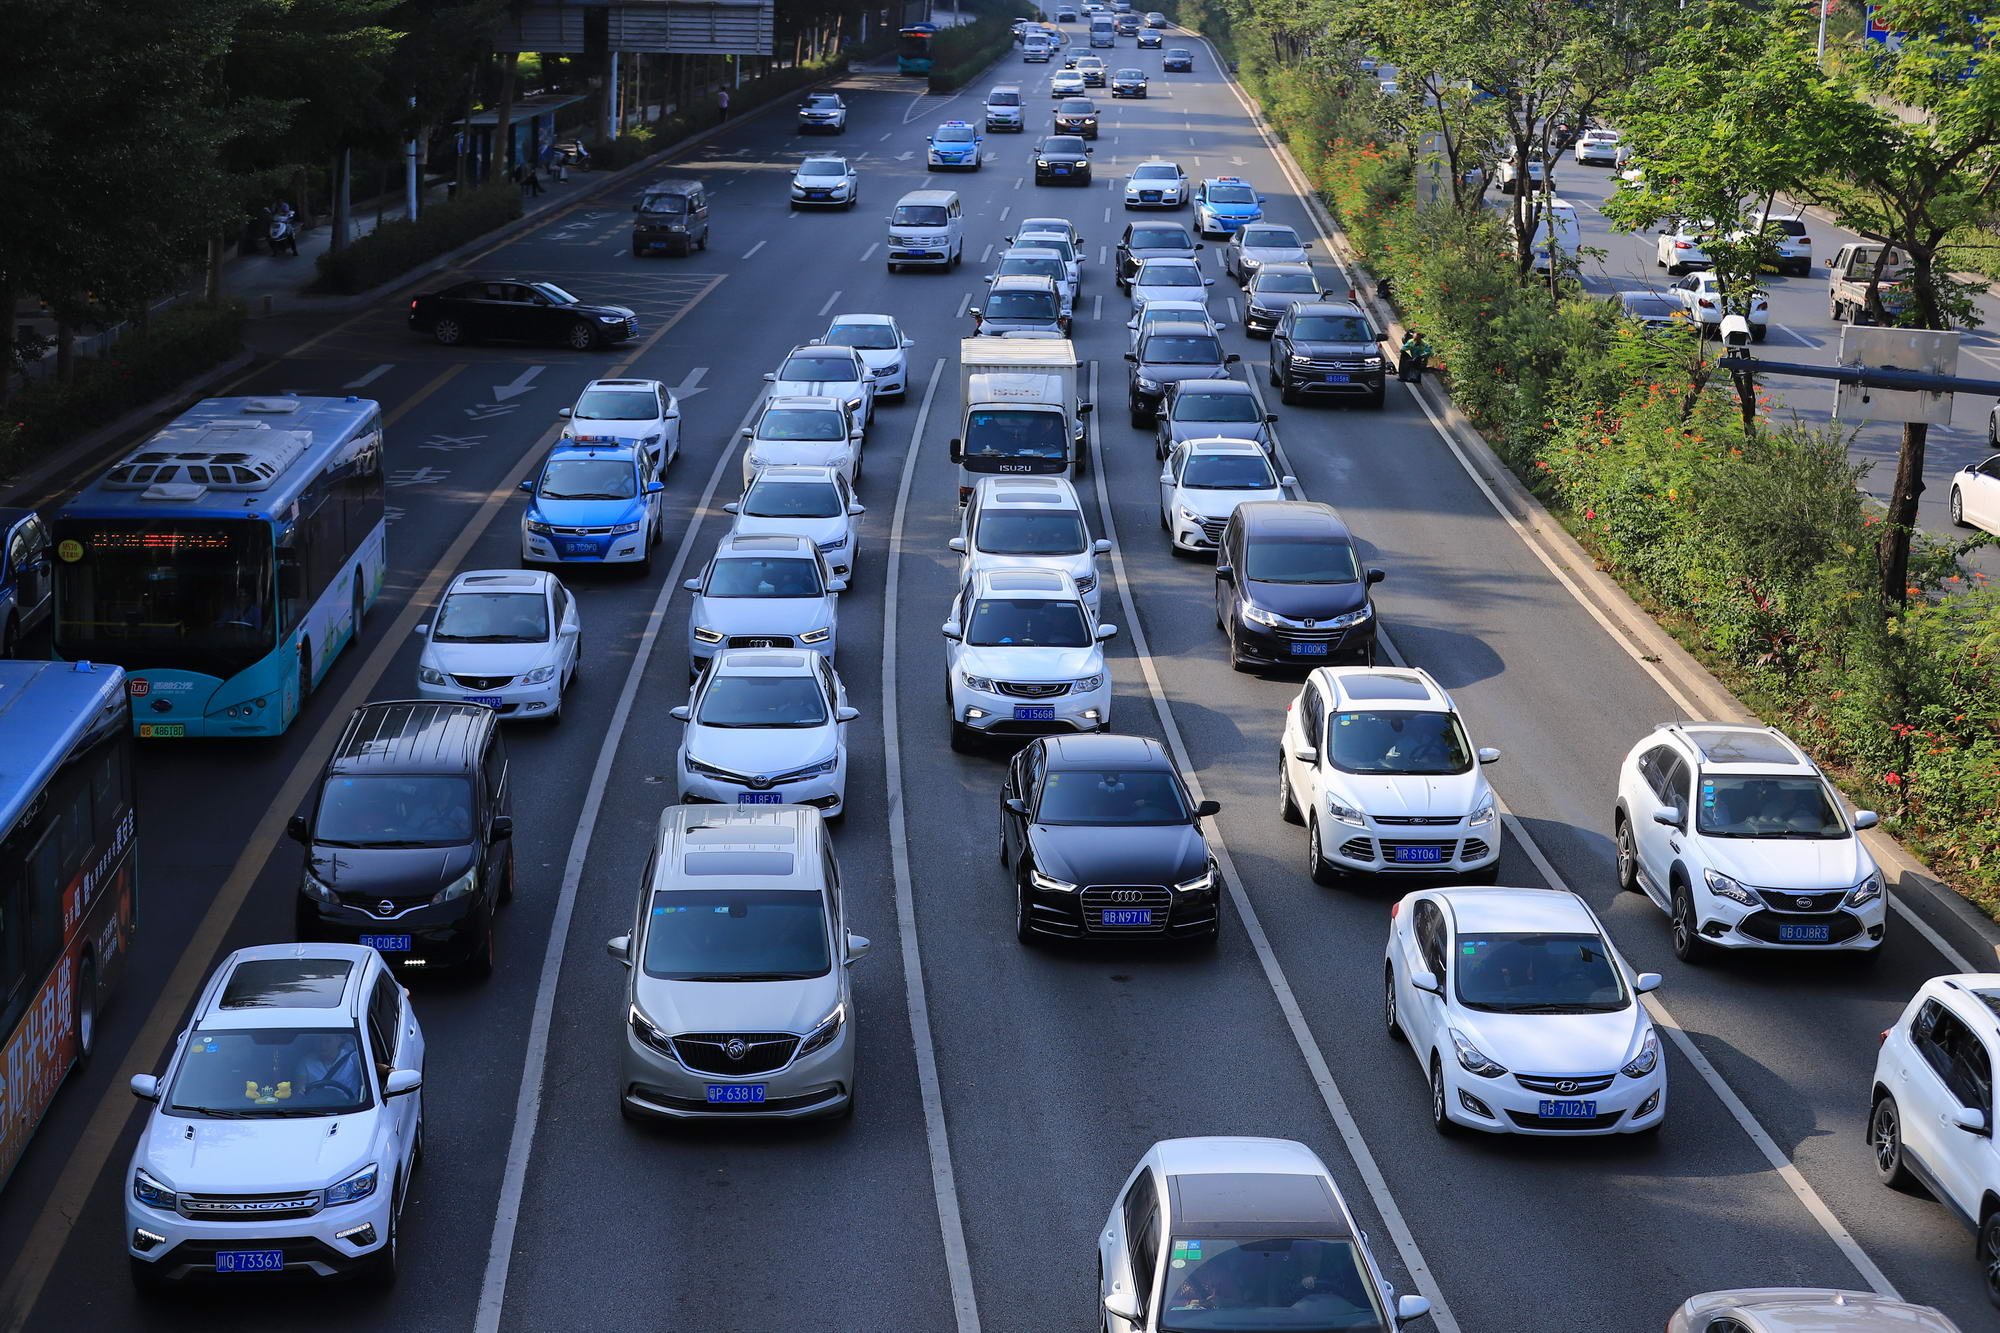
{"x": 410, "y": 169}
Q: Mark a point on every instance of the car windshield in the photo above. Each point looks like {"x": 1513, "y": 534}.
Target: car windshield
{"x": 1029, "y": 532}
{"x": 663, "y": 203}
{"x": 1646, "y": 304}
{"x": 823, "y": 102}
{"x": 1063, "y": 143}
{"x": 1079, "y": 106}
{"x": 1300, "y": 562}
{"x": 737, "y": 935}
{"x": 1004, "y": 433}
{"x": 1027, "y": 622}
{"x": 1231, "y": 194}
{"x": 1280, "y": 1285}
{"x": 823, "y": 166}
{"x": 270, "y": 1073}
{"x": 1168, "y": 275}
{"x": 492, "y": 617}
{"x": 1537, "y": 974}
{"x": 199, "y": 594}
{"x": 1333, "y": 329}
{"x": 590, "y": 479}
{"x": 764, "y": 576}
{"x": 1105, "y": 796}
{"x": 394, "y": 810}
{"x": 1174, "y": 349}
{"x": 1216, "y": 407}
{"x": 1286, "y": 282}
{"x": 1051, "y": 267}
{"x": 1156, "y": 171}
{"x": 1021, "y": 305}
{"x": 802, "y": 423}
{"x": 1228, "y": 472}
{"x": 817, "y": 368}
{"x": 762, "y": 701}
{"x": 1159, "y": 238}
{"x": 918, "y": 215}
{"x": 874, "y": 337}
{"x": 1004, "y": 99}
{"x": 954, "y": 134}
{"x": 1397, "y": 742}
{"x": 1130, "y": 74}
{"x": 1732, "y": 805}
{"x": 616, "y": 405}
{"x": 793, "y": 499}
{"x": 1270, "y": 238}
{"x": 554, "y": 293}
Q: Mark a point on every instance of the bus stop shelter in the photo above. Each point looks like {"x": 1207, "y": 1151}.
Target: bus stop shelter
{"x": 533, "y": 130}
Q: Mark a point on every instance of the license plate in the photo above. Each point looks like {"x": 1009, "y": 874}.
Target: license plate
{"x": 163, "y": 730}
{"x": 1805, "y": 934}
{"x": 760, "y": 798}
{"x": 579, "y": 547}
{"x": 736, "y": 1092}
{"x": 1034, "y": 714}
{"x": 249, "y": 1261}
{"x": 816, "y": 194}
{"x": 490, "y": 700}
{"x": 1308, "y": 650}
{"x": 386, "y": 943}
{"x": 1128, "y": 916}
{"x": 1568, "y": 1110}
{"x": 1340, "y": 379}
{"x": 1427, "y": 854}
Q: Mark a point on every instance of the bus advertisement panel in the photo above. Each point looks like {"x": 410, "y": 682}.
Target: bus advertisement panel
{"x": 67, "y": 865}
{"x": 227, "y": 561}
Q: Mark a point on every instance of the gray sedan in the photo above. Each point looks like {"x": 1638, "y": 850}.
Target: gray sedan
{"x": 1259, "y": 244}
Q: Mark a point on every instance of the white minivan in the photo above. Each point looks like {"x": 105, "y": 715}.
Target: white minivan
{"x": 927, "y": 228}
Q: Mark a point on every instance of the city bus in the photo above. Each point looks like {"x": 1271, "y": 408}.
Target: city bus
{"x": 66, "y": 876}
{"x": 227, "y": 561}
{"x": 913, "y": 52}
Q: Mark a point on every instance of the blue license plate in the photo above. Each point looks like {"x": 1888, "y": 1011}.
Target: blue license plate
{"x": 490, "y": 700}
{"x": 1128, "y": 916}
{"x": 760, "y": 798}
{"x": 249, "y": 1261}
{"x": 386, "y": 943}
{"x": 816, "y": 194}
{"x": 1340, "y": 379}
{"x": 1308, "y": 650}
{"x": 1034, "y": 714}
{"x": 1568, "y": 1110}
{"x": 733, "y": 1093}
{"x": 1805, "y": 934}
{"x": 578, "y": 547}
{"x": 1425, "y": 854}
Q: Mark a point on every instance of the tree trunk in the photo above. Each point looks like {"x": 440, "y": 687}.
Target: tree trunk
{"x": 503, "y": 136}
{"x": 211, "y": 287}
{"x": 65, "y": 350}
{"x": 464, "y": 168}
{"x": 1893, "y": 553}
{"x": 8, "y": 297}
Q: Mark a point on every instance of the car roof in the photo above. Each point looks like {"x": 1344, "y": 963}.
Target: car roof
{"x": 939, "y": 197}
{"x": 1293, "y": 268}
{"x": 1292, "y": 518}
{"x": 860, "y": 318}
{"x": 1223, "y": 444}
{"x": 1411, "y": 688}
{"x": 1328, "y": 308}
{"x": 1128, "y": 752}
{"x": 1025, "y": 281}
{"x": 1029, "y": 493}
{"x": 750, "y": 545}
{"x": 623, "y": 384}
{"x": 1227, "y": 1154}
{"x": 1031, "y": 252}
{"x": 1508, "y": 911}
{"x": 752, "y": 834}
{"x": 1288, "y": 229}
{"x": 818, "y": 349}
{"x": 1210, "y": 386}
{"x": 1024, "y": 581}
{"x": 1172, "y": 261}
{"x": 499, "y": 580}
{"x": 762, "y": 662}
{"x": 1824, "y": 1310}
{"x": 1178, "y": 328}
{"x": 610, "y": 449}
{"x": 1159, "y": 162}
{"x": 412, "y": 736}
{"x": 1728, "y": 745}
{"x": 795, "y": 472}
{"x": 822, "y": 401}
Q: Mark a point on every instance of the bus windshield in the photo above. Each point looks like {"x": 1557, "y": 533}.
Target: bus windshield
{"x": 193, "y": 594}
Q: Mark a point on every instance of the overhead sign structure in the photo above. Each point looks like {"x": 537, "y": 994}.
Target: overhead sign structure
{"x": 1874, "y": 347}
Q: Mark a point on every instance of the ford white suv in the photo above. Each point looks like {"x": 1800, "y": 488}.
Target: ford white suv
{"x": 284, "y": 1132}
{"x": 1024, "y": 657}
{"x": 1735, "y": 834}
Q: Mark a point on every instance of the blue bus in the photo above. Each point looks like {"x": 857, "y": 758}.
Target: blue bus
{"x": 227, "y": 561}
{"x": 913, "y": 50}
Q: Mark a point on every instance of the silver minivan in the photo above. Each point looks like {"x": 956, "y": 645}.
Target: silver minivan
{"x": 1003, "y": 109}
{"x": 738, "y": 1003}
{"x": 927, "y": 228}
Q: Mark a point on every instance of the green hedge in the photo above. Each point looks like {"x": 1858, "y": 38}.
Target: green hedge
{"x": 399, "y": 245}
{"x": 180, "y": 344}
{"x": 959, "y": 53}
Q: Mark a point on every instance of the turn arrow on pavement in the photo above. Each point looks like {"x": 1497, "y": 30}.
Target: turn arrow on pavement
{"x": 690, "y": 384}
{"x": 523, "y": 383}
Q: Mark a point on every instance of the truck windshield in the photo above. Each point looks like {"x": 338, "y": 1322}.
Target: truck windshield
{"x": 194, "y": 594}
{"x": 991, "y": 437}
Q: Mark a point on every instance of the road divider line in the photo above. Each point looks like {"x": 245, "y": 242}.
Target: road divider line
{"x": 986, "y": 255}
{"x": 869, "y": 253}
{"x": 944, "y": 1184}
{"x": 964, "y": 303}
{"x": 829, "y": 304}
{"x": 1349, "y": 1129}
{"x": 1097, "y": 307}
{"x": 759, "y": 246}
{"x": 365, "y": 380}
{"x": 1005, "y": 211}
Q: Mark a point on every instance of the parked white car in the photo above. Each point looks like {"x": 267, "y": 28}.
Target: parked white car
{"x": 766, "y": 726}
{"x": 1700, "y": 294}
{"x": 811, "y": 502}
{"x": 1803, "y": 1310}
{"x": 507, "y": 638}
{"x": 771, "y": 591}
{"x": 641, "y": 412}
{"x": 1735, "y": 834}
{"x": 880, "y": 341}
{"x": 1024, "y": 657}
{"x": 1169, "y": 280}
{"x": 828, "y": 372}
{"x": 1975, "y": 490}
{"x": 812, "y": 431}
{"x": 825, "y": 182}
{"x": 282, "y": 1136}
{"x": 1204, "y": 480}
{"x": 1029, "y": 523}
{"x": 1522, "y": 1014}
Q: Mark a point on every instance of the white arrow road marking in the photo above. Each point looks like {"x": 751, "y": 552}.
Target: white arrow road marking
{"x": 690, "y": 384}
{"x": 368, "y": 379}
{"x": 905, "y": 155}
{"x": 523, "y": 383}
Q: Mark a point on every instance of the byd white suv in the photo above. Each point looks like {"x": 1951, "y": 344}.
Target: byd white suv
{"x": 1734, "y": 834}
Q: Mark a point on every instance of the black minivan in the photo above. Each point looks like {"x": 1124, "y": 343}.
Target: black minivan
{"x": 1290, "y": 589}
{"x": 409, "y": 836}
{"x": 672, "y": 216}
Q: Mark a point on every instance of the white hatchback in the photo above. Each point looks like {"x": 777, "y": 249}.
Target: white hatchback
{"x": 766, "y": 726}
{"x": 507, "y": 638}
{"x": 812, "y": 502}
{"x": 1679, "y": 247}
{"x": 1701, "y": 295}
{"x": 641, "y": 412}
{"x": 1024, "y": 657}
{"x": 882, "y": 346}
{"x": 800, "y": 430}
{"x": 825, "y": 182}
{"x": 1203, "y": 482}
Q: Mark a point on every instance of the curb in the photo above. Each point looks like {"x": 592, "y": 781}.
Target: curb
{"x": 1937, "y": 910}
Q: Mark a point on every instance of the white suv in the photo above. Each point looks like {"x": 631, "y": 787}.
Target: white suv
{"x": 1932, "y": 1117}
{"x": 1734, "y": 834}
{"x": 1203, "y": 481}
{"x": 225, "y": 1178}
{"x": 1029, "y": 523}
{"x": 770, "y": 591}
{"x": 810, "y": 431}
{"x": 1024, "y": 657}
{"x": 641, "y": 412}
{"x": 1376, "y": 764}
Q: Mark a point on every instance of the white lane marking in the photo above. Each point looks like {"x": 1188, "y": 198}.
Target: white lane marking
{"x": 528, "y": 1106}
{"x": 759, "y": 246}
{"x": 790, "y": 216}
{"x": 1107, "y": 215}
{"x": 1017, "y": 182}
{"x": 964, "y": 303}
{"x": 364, "y": 381}
{"x": 885, "y": 138}
{"x": 1235, "y": 315}
{"x": 865, "y": 254}
{"x": 986, "y": 254}
{"x": 944, "y": 1186}
{"x": 1794, "y": 335}
{"x": 1253, "y": 928}
{"x": 1005, "y": 211}
{"x": 1101, "y": 253}
{"x": 829, "y": 304}
{"x": 1097, "y": 307}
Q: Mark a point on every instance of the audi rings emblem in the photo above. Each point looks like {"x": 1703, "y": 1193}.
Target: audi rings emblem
{"x": 1127, "y": 896}
{"x": 1803, "y": 902}
{"x": 1567, "y": 1085}
{"x": 385, "y": 908}
{"x": 736, "y": 1048}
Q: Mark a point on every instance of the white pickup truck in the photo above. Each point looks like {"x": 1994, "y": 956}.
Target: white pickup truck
{"x": 1850, "y": 275}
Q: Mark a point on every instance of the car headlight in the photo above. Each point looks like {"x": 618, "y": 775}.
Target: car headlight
{"x": 1372, "y": 362}
{"x": 703, "y": 634}
{"x": 539, "y": 527}
{"x": 432, "y": 676}
{"x": 611, "y": 319}
{"x": 458, "y": 888}
{"x": 1646, "y": 1060}
{"x": 624, "y": 529}
{"x": 1148, "y": 386}
{"x": 820, "y": 635}
{"x": 539, "y": 676}
{"x": 1351, "y": 618}
{"x": 1867, "y": 891}
{"x": 824, "y": 1031}
{"x": 1086, "y": 684}
{"x": 1472, "y": 1060}
{"x": 648, "y": 1035}
{"x": 820, "y": 769}
{"x": 317, "y": 891}
{"x": 1200, "y": 883}
{"x": 357, "y": 1186}
{"x": 1298, "y": 360}
{"x": 151, "y": 1191}
{"x": 1257, "y": 615}
{"x": 837, "y": 544}
{"x": 1050, "y": 883}
{"x": 1723, "y": 885}
{"x": 1041, "y": 162}
{"x": 984, "y": 684}
{"x": 1483, "y": 815}
{"x": 1342, "y": 813}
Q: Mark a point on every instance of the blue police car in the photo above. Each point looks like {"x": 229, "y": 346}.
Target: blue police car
{"x": 955, "y": 147}
{"x": 593, "y": 505}
{"x": 1222, "y": 204}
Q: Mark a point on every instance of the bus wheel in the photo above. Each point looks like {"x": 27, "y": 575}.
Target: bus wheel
{"x": 84, "y": 1011}
{"x": 360, "y": 605}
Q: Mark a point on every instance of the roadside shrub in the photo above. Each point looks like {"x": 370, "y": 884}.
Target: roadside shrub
{"x": 959, "y": 53}
{"x": 399, "y": 245}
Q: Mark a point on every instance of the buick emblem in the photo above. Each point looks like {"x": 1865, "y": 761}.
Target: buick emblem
{"x": 385, "y": 908}
{"x": 1567, "y": 1085}
{"x": 736, "y": 1048}
{"x": 1803, "y": 902}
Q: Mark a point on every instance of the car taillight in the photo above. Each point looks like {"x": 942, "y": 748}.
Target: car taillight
{"x": 1395, "y": 908}
{"x": 1883, "y": 1039}
{"x": 1802, "y": 240}
{"x": 1683, "y": 245}
{"x": 413, "y": 305}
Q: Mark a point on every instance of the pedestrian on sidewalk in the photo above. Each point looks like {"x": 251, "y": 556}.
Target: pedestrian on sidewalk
{"x": 531, "y": 182}
{"x": 518, "y": 177}
{"x": 1411, "y": 358}
{"x": 722, "y": 102}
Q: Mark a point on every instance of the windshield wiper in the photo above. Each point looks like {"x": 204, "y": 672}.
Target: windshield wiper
{"x": 582, "y": 495}
{"x": 743, "y": 976}
{"x": 481, "y": 638}
{"x": 1578, "y": 1008}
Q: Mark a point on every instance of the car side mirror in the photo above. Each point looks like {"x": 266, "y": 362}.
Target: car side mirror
{"x": 1207, "y": 808}
{"x": 1227, "y": 573}
{"x": 564, "y": 411}
{"x": 1488, "y": 755}
{"x": 836, "y": 585}
{"x": 680, "y": 713}
{"x": 422, "y": 631}
{"x": 1411, "y": 1307}
{"x": 1287, "y": 480}
{"x": 1085, "y": 409}
{"x": 1133, "y": 357}
{"x": 1426, "y": 981}
{"x": 655, "y": 487}
{"x": 1670, "y": 815}
{"x": 620, "y": 947}
{"x": 732, "y": 508}
{"x": 1102, "y": 546}
{"x": 635, "y": 208}
{"x": 1106, "y": 632}
{"x": 1270, "y": 418}
{"x": 1123, "y": 1305}
{"x": 846, "y": 714}
{"x": 502, "y": 828}
{"x": 956, "y": 451}
{"x": 1865, "y": 819}
{"x": 1208, "y": 282}
{"x": 145, "y": 1087}
{"x": 1015, "y": 805}
{"x": 1377, "y": 575}
{"x": 857, "y": 947}
{"x": 692, "y": 585}
{"x": 402, "y": 1082}
{"x": 770, "y": 377}
{"x": 1970, "y": 1120}
{"x": 297, "y": 829}
{"x": 1305, "y": 754}
{"x": 957, "y": 544}
{"x": 1088, "y": 149}
{"x": 1199, "y": 246}
{"x": 1232, "y": 358}
{"x": 746, "y": 432}
{"x": 909, "y": 342}
{"x": 527, "y": 486}
{"x": 951, "y": 630}
{"x": 1646, "y": 982}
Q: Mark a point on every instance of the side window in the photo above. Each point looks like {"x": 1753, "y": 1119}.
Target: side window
{"x": 1674, "y": 785}
{"x": 1955, "y": 1053}
{"x": 1312, "y": 721}
{"x": 1430, "y": 936}
{"x": 496, "y": 773}
{"x": 385, "y": 1021}
{"x": 1142, "y": 1233}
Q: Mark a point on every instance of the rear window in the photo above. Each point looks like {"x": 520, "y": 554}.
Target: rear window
{"x": 1175, "y": 350}
{"x": 772, "y": 865}
{"x": 306, "y": 983}
{"x": 1160, "y": 238}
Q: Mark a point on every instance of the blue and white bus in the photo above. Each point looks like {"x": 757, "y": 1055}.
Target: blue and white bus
{"x": 227, "y": 561}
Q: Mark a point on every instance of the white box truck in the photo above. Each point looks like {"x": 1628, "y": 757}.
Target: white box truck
{"x": 1020, "y": 410}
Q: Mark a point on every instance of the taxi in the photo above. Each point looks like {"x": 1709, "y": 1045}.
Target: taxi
{"x": 1222, "y": 204}
{"x": 954, "y": 147}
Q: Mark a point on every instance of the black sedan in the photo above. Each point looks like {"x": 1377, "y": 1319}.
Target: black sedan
{"x": 1062, "y": 157}
{"x": 1128, "y": 83}
{"x": 1177, "y": 60}
{"x": 1105, "y": 842}
{"x": 511, "y": 310}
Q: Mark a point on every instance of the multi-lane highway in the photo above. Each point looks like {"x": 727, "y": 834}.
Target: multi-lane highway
{"x": 1004, "y": 1092}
